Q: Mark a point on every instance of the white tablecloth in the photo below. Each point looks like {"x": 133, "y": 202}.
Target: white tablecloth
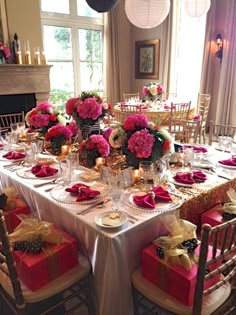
{"x": 113, "y": 254}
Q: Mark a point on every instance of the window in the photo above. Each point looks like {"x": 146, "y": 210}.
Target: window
{"x": 189, "y": 56}
{"x": 73, "y": 44}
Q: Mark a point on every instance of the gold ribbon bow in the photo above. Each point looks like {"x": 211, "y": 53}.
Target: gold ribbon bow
{"x": 180, "y": 230}
{"x": 30, "y": 229}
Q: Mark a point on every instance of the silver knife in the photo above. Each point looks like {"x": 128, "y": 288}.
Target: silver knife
{"x": 94, "y": 205}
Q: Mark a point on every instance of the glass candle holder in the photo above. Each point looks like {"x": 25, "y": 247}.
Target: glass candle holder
{"x": 100, "y": 161}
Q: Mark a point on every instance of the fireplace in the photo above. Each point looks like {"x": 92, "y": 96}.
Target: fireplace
{"x": 23, "y": 86}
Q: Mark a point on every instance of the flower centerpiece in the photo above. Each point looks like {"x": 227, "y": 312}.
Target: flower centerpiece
{"x": 153, "y": 91}
{"x": 143, "y": 140}
{"x": 93, "y": 147}
{"x": 86, "y": 110}
{"x": 43, "y": 117}
{"x": 58, "y": 136}
{"x": 5, "y": 53}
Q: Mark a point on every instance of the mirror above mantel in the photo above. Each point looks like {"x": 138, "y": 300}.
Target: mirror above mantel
{"x": 25, "y": 79}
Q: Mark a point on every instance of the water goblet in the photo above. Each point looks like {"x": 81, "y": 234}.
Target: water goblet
{"x": 115, "y": 186}
{"x": 146, "y": 169}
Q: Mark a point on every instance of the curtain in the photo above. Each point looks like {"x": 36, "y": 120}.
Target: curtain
{"x": 117, "y": 54}
{"x": 218, "y": 79}
{"x": 225, "y": 110}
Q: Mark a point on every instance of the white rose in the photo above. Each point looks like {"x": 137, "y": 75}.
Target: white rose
{"x": 153, "y": 90}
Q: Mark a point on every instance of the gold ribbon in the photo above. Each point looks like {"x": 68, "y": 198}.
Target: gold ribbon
{"x": 180, "y": 230}
{"x": 30, "y": 229}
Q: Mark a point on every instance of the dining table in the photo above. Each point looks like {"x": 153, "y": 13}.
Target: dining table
{"x": 157, "y": 112}
{"x": 114, "y": 252}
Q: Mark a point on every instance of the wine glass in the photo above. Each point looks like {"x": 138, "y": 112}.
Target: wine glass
{"x": 115, "y": 186}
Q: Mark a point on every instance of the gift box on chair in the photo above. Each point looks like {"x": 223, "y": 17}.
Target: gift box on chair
{"x": 42, "y": 272}
{"x": 181, "y": 276}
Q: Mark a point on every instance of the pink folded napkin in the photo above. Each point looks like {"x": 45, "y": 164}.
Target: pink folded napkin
{"x": 11, "y": 155}
{"x": 229, "y": 162}
{"x": 156, "y": 194}
{"x": 1, "y": 145}
{"x": 83, "y": 192}
{"x": 190, "y": 178}
{"x": 166, "y": 107}
{"x": 196, "y": 148}
{"x": 43, "y": 170}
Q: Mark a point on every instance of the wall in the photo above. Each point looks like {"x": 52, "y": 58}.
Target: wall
{"x": 24, "y": 19}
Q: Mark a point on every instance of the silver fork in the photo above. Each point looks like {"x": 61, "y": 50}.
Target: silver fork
{"x": 54, "y": 181}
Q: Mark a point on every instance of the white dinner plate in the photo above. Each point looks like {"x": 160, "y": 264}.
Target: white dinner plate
{"x": 226, "y": 166}
{"x": 128, "y": 195}
{"x": 104, "y": 220}
{"x": 26, "y": 173}
{"x": 59, "y": 193}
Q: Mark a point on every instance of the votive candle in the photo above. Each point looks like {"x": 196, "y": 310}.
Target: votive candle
{"x": 100, "y": 161}
{"x": 64, "y": 149}
{"x": 136, "y": 175}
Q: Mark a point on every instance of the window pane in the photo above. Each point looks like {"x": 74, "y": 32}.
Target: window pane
{"x": 83, "y": 9}
{"x": 90, "y": 43}
{"x": 92, "y": 76}
{"x": 57, "y": 42}
{"x": 57, "y": 6}
{"x": 62, "y": 77}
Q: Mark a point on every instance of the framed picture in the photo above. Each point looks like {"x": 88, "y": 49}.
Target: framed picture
{"x": 147, "y": 59}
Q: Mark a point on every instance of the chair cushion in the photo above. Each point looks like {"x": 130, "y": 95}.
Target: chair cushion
{"x": 210, "y": 302}
{"x": 54, "y": 287}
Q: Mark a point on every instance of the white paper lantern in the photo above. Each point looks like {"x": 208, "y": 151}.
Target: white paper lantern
{"x": 147, "y": 13}
{"x": 197, "y": 8}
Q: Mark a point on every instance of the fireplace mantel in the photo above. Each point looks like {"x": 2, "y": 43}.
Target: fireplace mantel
{"x": 25, "y": 79}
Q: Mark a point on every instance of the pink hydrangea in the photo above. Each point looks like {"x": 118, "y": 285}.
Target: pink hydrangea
{"x": 135, "y": 121}
{"x": 45, "y": 108}
{"x": 58, "y": 131}
{"x": 141, "y": 144}
{"x": 89, "y": 108}
{"x": 160, "y": 89}
{"x": 100, "y": 144}
{"x": 39, "y": 120}
{"x": 71, "y": 104}
{"x": 144, "y": 90}
{"x": 73, "y": 128}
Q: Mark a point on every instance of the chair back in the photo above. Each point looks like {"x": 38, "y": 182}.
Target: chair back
{"x": 6, "y": 257}
{"x": 203, "y": 107}
{"x": 179, "y": 115}
{"x": 223, "y": 247}
{"x": 170, "y": 95}
{"x": 129, "y": 96}
{"x": 216, "y": 130}
{"x": 7, "y": 119}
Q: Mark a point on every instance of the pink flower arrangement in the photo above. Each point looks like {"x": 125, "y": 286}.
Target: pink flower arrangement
{"x": 73, "y": 128}
{"x": 43, "y": 117}
{"x": 86, "y": 109}
{"x": 98, "y": 143}
{"x": 153, "y": 90}
{"x": 106, "y": 133}
{"x": 58, "y": 136}
{"x": 143, "y": 140}
{"x": 6, "y": 51}
{"x": 135, "y": 121}
{"x": 58, "y": 131}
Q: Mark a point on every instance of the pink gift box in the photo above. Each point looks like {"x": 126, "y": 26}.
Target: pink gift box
{"x": 173, "y": 279}
{"x": 11, "y": 217}
{"x": 214, "y": 218}
{"x": 37, "y": 270}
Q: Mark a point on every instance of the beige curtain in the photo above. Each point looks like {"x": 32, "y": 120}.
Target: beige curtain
{"x": 218, "y": 79}
{"x": 117, "y": 54}
{"x": 225, "y": 110}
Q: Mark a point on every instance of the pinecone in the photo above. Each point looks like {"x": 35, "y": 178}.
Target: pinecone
{"x": 34, "y": 246}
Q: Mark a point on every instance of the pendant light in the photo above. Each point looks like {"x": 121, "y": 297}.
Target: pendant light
{"x": 197, "y": 8}
{"x": 147, "y": 13}
{"x": 102, "y": 5}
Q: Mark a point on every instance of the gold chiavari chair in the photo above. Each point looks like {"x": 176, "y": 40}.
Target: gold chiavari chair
{"x": 7, "y": 119}
{"x": 128, "y": 96}
{"x": 216, "y": 130}
{"x": 73, "y": 287}
{"x": 218, "y": 299}
{"x": 178, "y": 119}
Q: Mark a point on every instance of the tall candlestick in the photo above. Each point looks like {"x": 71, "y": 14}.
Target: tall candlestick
{"x": 27, "y": 58}
{"x": 19, "y": 57}
{"x": 43, "y": 59}
{"x": 37, "y": 60}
